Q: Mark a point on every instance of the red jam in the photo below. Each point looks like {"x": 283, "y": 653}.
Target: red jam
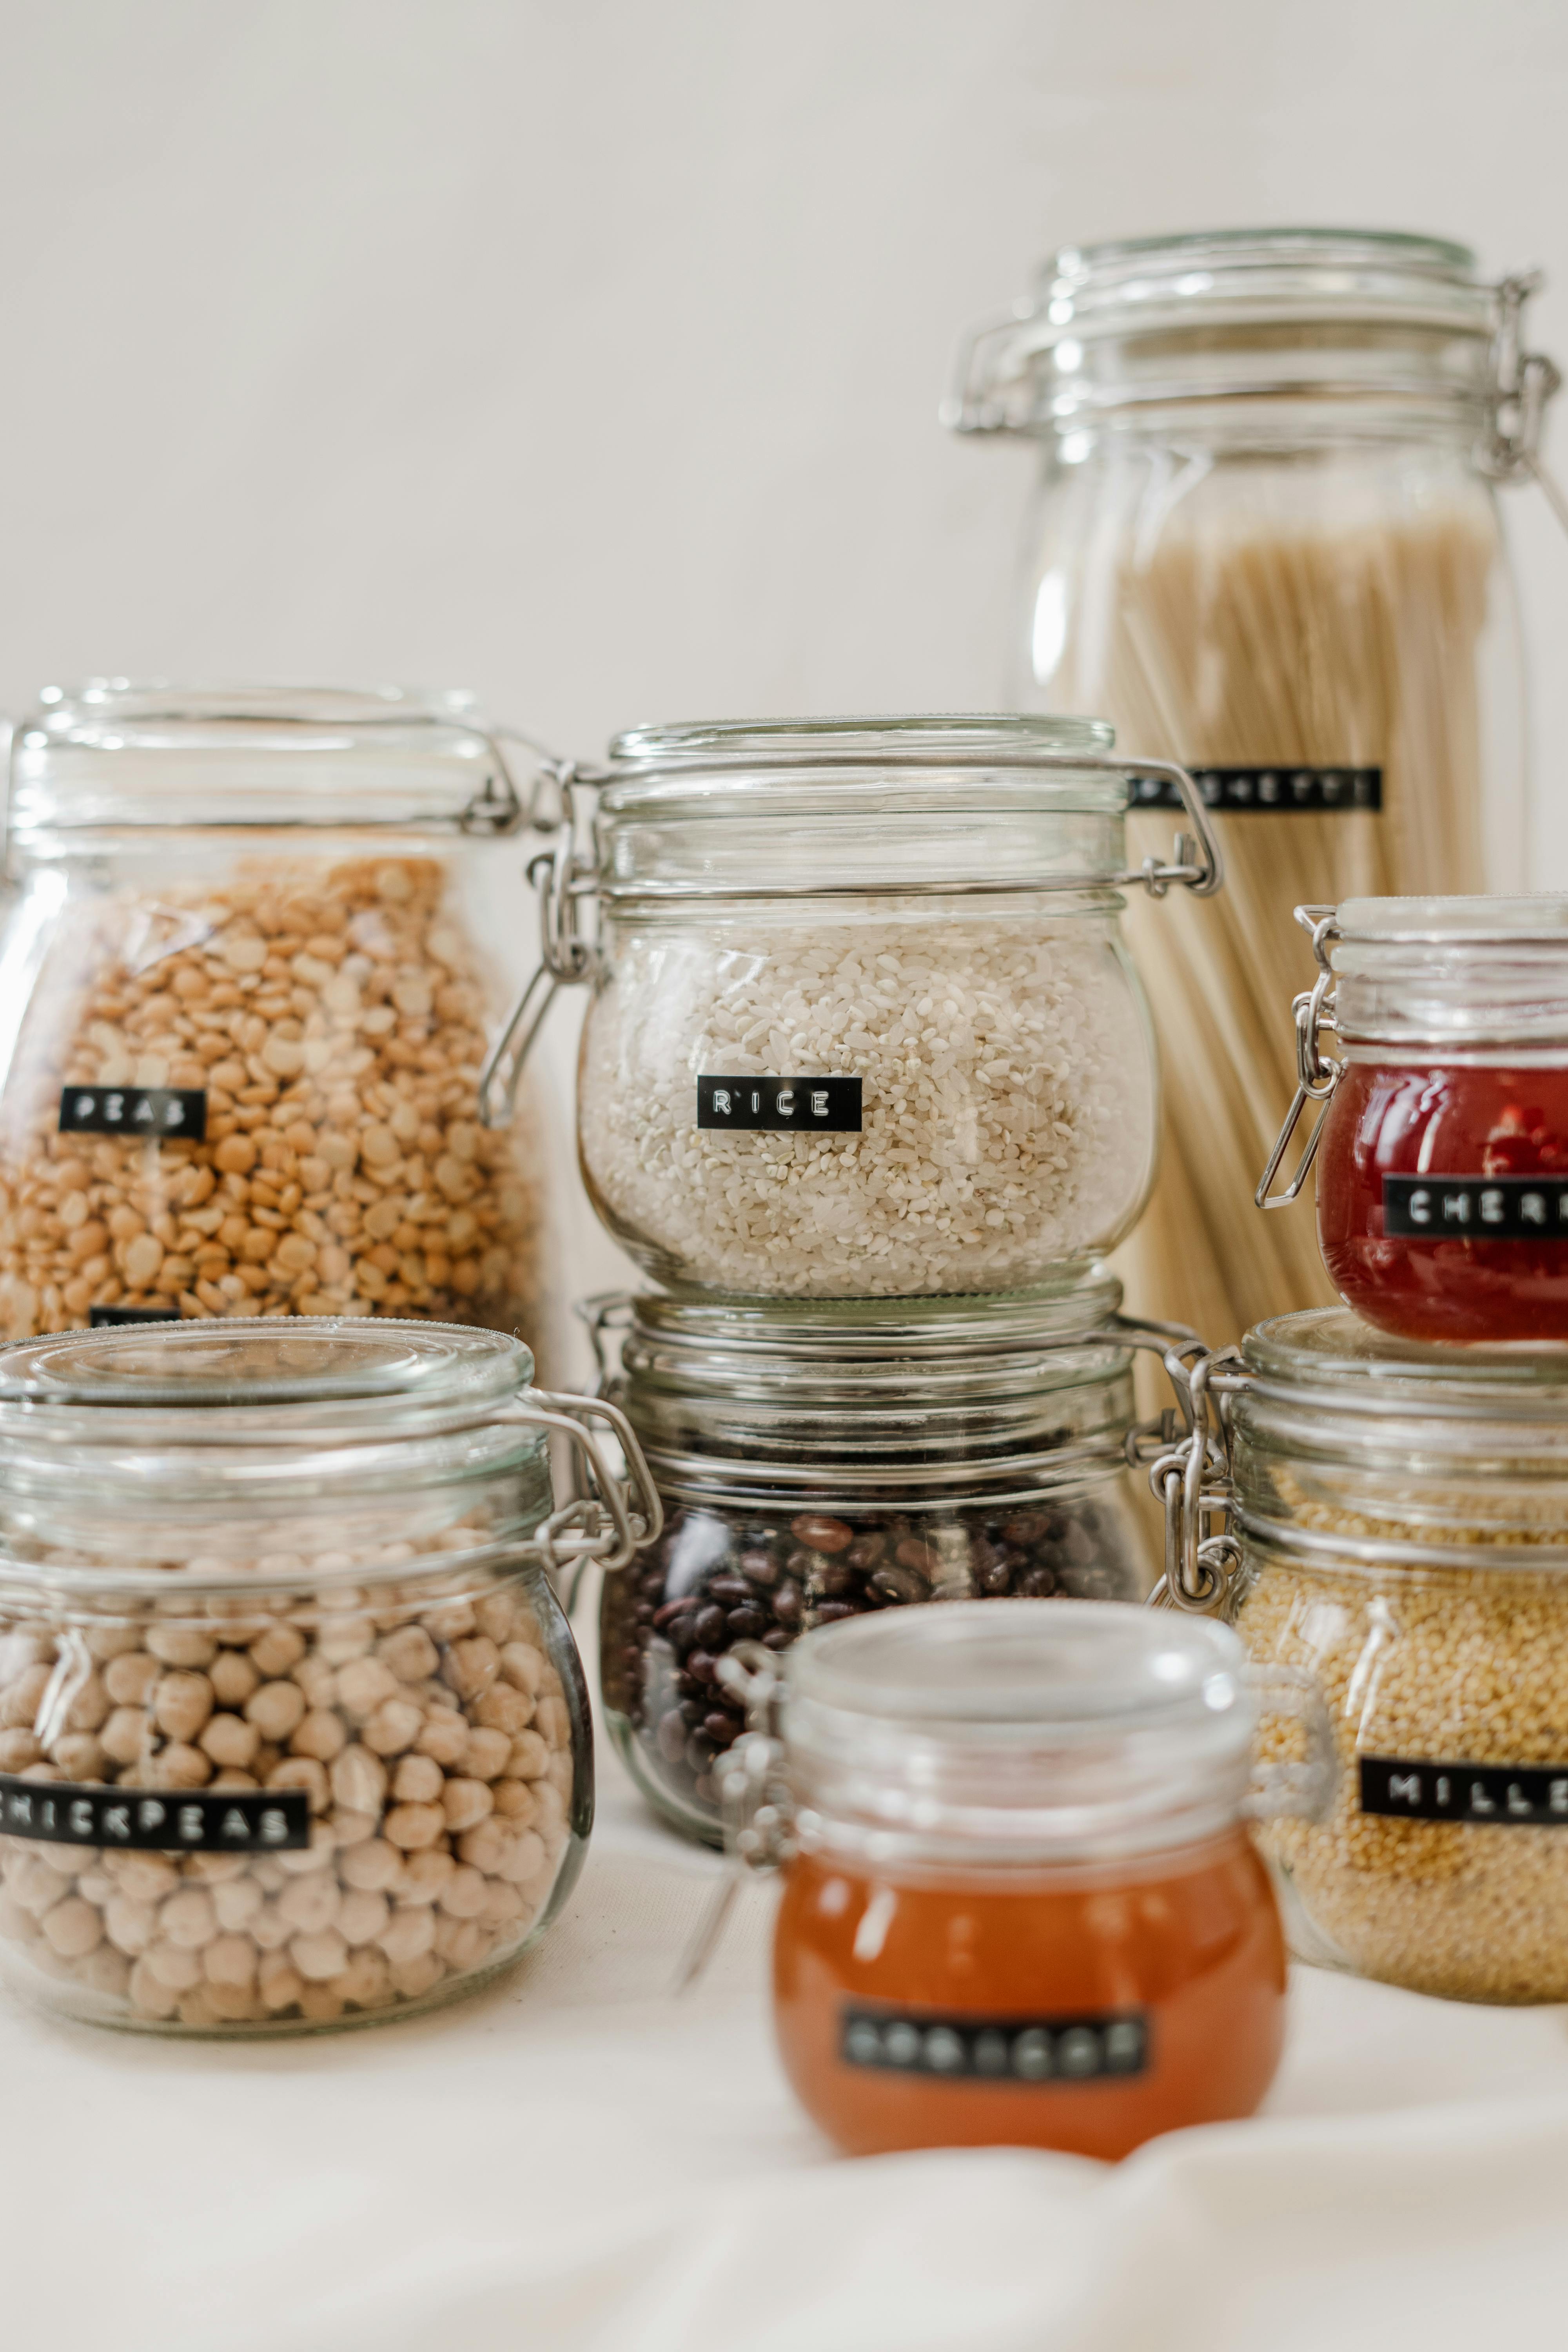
{"x": 1084, "y": 2012}
{"x": 1452, "y": 1279}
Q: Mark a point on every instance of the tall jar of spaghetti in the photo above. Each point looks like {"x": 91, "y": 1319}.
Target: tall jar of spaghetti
{"x": 1265, "y": 541}
{"x": 1020, "y": 1903}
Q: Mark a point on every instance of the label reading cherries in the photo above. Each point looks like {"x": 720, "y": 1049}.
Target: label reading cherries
{"x": 1475, "y": 1208}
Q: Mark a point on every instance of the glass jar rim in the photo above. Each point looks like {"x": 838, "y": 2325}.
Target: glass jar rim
{"x": 116, "y": 751}
{"x": 1522, "y": 919}
{"x": 938, "y": 1324}
{"x": 1329, "y": 1359}
{"x": 1014, "y": 1729}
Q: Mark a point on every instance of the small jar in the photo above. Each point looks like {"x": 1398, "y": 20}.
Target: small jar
{"x": 1020, "y": 1902}
{"x": 1264, "y": 539}
{"x": 862, "y": 1021}
{"x": 1442, "y": 1146}
{"x": 292, "y": 1729}
{"x": 1400, "y": 1532}
{"x": 255, "y": 943}
{"x": 823, "y": 1461}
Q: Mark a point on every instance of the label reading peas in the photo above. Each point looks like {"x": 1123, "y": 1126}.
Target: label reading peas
{"x": 156, "y": 1820}
{"x": 1102, "y": 2046}
{"x": 828, "y": 1105}
{"x": 1271, "y": 791}
{"x": 1527, "y": 1795}
{"x": 1478, "y": 1208}
{"x": 157, "y": 1111}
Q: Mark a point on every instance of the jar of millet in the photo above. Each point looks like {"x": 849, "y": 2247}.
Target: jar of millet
{"x": 1020, "y": 1901}
{"x": 293, "y": 1733}
{"x": 819, "y": 1460}
{"x": 256, "y": 943}
{"x": 1399, "y": 1530}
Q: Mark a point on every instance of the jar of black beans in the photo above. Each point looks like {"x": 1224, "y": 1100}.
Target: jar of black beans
{"x": 719, "y": 1575}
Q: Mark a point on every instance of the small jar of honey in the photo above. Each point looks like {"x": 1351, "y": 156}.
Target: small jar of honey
{"x": 1021, "y": 1902}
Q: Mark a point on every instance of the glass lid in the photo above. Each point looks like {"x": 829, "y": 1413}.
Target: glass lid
{"x": 1344, "y": 1367}
{"x": 820, "y": 1328}
{"x": 1457, "y": 921}
{"x": 116, "y": 751}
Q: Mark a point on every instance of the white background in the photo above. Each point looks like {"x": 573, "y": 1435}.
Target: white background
{"x": 588, "y": 353}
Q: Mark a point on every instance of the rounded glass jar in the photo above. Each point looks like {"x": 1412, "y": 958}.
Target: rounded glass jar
{"x": 254, "y": 941}
{"x": 821, "y": 1462}
{"x": 1443, "y": 1162}
{"x": 292, "y": 1729}
{"x": 1402, "y": 1519}
{"x": 862, "y": 1021}
{"x": 1020, "y": 1902}
{"x": 1264, "y": 541}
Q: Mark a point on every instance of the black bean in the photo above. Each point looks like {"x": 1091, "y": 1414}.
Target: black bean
{"x": 747, "y": 1624}
{"x": 728, "y": 1589}
{"x": 672, "y": 1609}
{"x": 719, "y": 1729}
{"x": 777, "y": 1638}
{"x": 821, "y": 1534}
{"x": 700, "y": 1666}
{"x": 898, "y": 1584}
{"x": 709, "y": 1627}
{"x": 761, "y": 1567}
{"x": 1037, "y": 1584}
{"x": 865, "y": 1551}
{"x": 788, "y": 1604}
{"x": 831, "y": 1611}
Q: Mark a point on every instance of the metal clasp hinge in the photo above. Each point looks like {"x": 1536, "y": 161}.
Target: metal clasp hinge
{"x": 1317, "y": 1074}
{"x": 1191, "y": 1481}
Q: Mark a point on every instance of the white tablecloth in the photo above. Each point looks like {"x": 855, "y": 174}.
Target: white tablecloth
{"x": 578, "y": 2162}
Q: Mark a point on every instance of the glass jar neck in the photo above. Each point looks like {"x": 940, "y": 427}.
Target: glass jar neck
{"x": 1453, "y": 993}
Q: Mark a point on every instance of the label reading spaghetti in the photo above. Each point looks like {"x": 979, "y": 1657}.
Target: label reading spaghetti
{"x": 1269, "y": 792}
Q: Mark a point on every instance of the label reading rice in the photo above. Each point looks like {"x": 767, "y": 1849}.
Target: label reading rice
{"x": 1274, "y": 791}
{"x": 826, "y": 1106}
{"x": 156, "y": 1820}
{"x": 1527, "y": 1795}
{"x": 1478, "y": 1208}
{"x": 1104, "y": 2046}
{"x": 134, "y": 1110}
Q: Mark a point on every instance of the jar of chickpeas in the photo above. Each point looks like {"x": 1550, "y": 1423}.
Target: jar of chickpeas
{"x": 254, "y": 946}
{"x": 293, "y": 1733}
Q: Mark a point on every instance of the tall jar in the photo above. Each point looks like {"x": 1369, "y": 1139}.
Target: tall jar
{"x": 819, "y": 1462}
{"x": 1265, "y": 541}
{"x": 1020, "y": 1900}
{"x": 1398, "y": 1529}
{"x": 293, "y": 1733}
{"x": 862, "y": 1019}
{"x": 1441, "y": 1133}
{"x": 252, "y": 945}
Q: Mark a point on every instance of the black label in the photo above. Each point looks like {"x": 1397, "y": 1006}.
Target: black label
{"x": 1526, "y": 1795}
{"x": 1104, "y": 2046}
{"x": 134, "y": 1110}
{"x": 1477, "y": 1208}
{"x": 1273, "y": 792}
{"x": 156, "y": 1820}
{"x": 828, "y": 1105}
{"x": 105, "y": 1318}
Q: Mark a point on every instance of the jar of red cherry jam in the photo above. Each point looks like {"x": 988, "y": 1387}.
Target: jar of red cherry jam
{"x": 1021, "y": 1902}
{"x": 1442, "y": 1143}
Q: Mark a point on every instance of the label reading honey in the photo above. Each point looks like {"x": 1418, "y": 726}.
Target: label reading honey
{"x": 156, "y": 1820}
{"x": 822, "y": 1106}
{"x": 1526, "y": 1795}
{"x": 158, "y": 1111}
{"x": 1268, "y": 791}
{"x": 1098, "y": 2047}
{"x": 1476, "y": 1208}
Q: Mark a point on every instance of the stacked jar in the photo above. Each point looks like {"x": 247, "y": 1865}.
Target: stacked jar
{"x": 1396, "y": 1486}
{"x": 868, "y": 1083}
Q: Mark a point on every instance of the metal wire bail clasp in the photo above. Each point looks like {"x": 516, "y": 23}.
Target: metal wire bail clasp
{"x": 562, "y": 877}
{"x": 1317, "y": 1074}
{"x": 756, "y": 1801}
{"x": 610, "y": 1517}
{"x": 1193, "y": 1482}
{"x": 1522, "y": 381}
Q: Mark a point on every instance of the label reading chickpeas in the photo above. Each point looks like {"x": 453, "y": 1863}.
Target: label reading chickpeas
{"x": 156, "y": 1111}
{"x": 1528, "y": 1796}
{"x": 827, "y": 1106}
{"x": 1098, "y": 2047}
{"x": 275, "y": 1820}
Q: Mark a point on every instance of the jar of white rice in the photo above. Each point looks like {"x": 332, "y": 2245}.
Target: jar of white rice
{"x": 863, "y": 1023}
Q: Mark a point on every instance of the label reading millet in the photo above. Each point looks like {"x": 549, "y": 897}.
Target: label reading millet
{"x": 821, "y": 1106}
{"x": 1528, "y": 1796}
{"x": 1102, "y": 2046}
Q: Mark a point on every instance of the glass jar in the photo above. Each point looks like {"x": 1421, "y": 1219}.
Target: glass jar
{"x": 1442, "y": 1141}
{"x": 253, "y": 942}
{"x": 1400, "y": 1531}
{"x": 820, "y": 1461}
{"x": 1265, "y": 541}
{"x": 862, "y": 1021}
{"x": 1020, "y": 1901}
{"x": 292, "y": 1729}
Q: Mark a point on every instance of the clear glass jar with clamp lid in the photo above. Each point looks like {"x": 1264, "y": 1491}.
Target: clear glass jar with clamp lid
{"x": 1264, "y": 541}
{"x": 1393, "y": 1519}
{"x": 255, "y": 945}
{"x": 1441, "y": 1133}
{"x": 861, "y": 1022}
{"x": 819, "y": 1461}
